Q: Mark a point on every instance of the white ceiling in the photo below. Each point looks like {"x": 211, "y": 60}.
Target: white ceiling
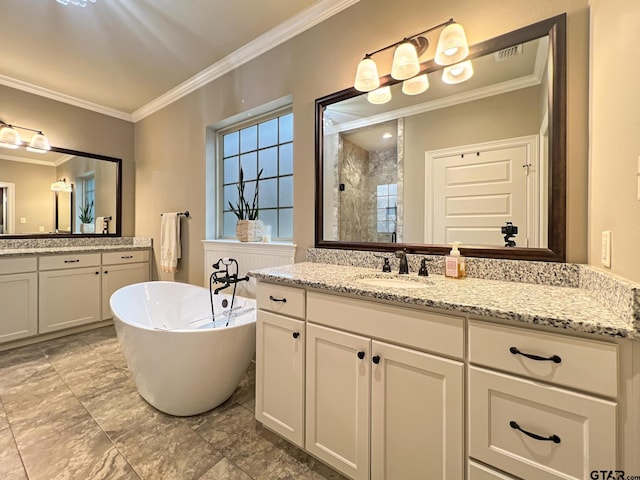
{"x": 127, "y": 58}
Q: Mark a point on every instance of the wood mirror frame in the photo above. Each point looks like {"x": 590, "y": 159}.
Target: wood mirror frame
{"x": 555, "y": 251}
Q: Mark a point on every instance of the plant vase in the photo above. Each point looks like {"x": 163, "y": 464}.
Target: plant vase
{"x": 87, "y": 228}
{"x": 249, "y": 230}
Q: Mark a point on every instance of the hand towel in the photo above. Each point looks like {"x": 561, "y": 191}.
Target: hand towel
{"x": 170, "y": 250}
{"x": 99, "y": 224}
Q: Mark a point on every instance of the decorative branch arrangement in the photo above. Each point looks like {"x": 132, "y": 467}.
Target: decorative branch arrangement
{"x": 243, "y": 210}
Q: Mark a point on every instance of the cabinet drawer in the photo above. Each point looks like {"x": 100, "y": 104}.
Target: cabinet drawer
{"x": 73, "y": 260}
{"x": 480, "y": 472}
{"x": 501, "y": 405}
{"x": 18, "y": 265}
{"x": 415, "y": 328}
{"x": 281, "y": 299}
{"x": 134, "y": 256}
{"x": 586, "y": 365}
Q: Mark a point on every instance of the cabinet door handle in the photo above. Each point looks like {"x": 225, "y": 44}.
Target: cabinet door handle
{"x": 375, "y": 359}
{"x": 71, "y": 261}
{"x": 552, "y": 358}
{"x": 552, "y": 438}
{"x": 274, "y": 299}
{"x": 125, "y": 257}
{"x": 360, "y": 355}
{"x": 296, "y": 334}
{"x": 106, "y": 271}
{"x": 97, "y": 273}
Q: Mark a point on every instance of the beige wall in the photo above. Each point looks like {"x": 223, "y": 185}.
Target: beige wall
{"x": 615, "y": 134}
{"x": 77, "y": 129}
{"x": 170, "y": 144}
{"x": 34, "y": 199}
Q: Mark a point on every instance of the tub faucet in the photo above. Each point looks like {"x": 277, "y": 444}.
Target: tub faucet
{"x": 404, "y": 266}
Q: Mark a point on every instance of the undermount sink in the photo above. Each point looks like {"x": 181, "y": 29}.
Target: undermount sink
{"x": 392, "y": 282}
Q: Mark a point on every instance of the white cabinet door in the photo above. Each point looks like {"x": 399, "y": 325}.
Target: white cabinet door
{"x": 68, "y": 298}
{"x": 280, "y": 375}
{"x": 417, "y": 424}
{"x": 118, "y": 276}
{"x": 337, "y": 398}
{"x": 19, "y": 301}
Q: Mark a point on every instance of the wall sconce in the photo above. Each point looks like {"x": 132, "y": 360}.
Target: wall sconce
{"x": 61, "y": 186}
{"x": 10, "y": 138}
{"x": 452, "y": 49}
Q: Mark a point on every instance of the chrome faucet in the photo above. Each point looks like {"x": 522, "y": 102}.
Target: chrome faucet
{"x": 404, "y": 266}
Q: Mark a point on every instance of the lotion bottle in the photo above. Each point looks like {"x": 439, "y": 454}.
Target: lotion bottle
{"x": 455, "y": 263}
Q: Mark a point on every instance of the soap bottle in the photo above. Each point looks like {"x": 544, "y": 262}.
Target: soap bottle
{"x": 454, "y": 263}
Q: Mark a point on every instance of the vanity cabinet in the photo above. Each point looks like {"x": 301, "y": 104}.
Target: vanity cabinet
{"x": 18, "y": 298}
{"x": 536, "y": 406}
{"x": 280, "y": 350}
{"x": 120, "y": 269}
{"x": 69, "y": 293}
{"x": 49, "y": 293}
{"x": 381, "y": 410}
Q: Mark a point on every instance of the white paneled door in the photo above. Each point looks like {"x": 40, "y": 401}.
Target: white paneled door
{"x": 475, "y": 191}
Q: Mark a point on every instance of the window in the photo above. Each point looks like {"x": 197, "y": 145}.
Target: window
{"x": 86, "y": 193}
{"x": 387, "y": 201}
{"x": 265, "y": 146}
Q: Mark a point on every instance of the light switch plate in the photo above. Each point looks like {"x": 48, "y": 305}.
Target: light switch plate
{"x": 606, "y": 249}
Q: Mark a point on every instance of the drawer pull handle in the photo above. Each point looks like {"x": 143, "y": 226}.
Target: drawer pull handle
{"x": 296, "y": 334}
{"x": 124, "y": 257}
{"x": 106, "y": 271}
{"x": 553, "y": 358}
{"x": 552, "y": 438}
{"x": 360, "y": 355}
{"x": 71, "y": 261}
{"x": 97, "y": 273}
{"x": 274, "y": 299}
{"x": 375, "y": 359}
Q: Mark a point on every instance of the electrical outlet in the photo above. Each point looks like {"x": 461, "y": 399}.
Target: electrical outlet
{"x": 23, "y": 220}
{"x": 41, "y": 229}
{"x": 605, "y": 257}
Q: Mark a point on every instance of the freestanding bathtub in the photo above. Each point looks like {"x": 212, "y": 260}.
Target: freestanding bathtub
{"x": 181, "y": 361}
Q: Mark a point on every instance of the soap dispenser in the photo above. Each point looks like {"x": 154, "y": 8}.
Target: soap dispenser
{"x": 455, "y": 263}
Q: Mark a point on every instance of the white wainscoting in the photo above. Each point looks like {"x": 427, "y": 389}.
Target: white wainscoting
{"x": 250, "y": 256}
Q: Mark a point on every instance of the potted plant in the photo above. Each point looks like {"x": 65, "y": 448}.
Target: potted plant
{"x": 248, "y": 227}
{"x": 86, "y": 217}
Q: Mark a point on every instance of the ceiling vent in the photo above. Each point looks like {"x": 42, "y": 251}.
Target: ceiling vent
{"x": 509, "y": 52}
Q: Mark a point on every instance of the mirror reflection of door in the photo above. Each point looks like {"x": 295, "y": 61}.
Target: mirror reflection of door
{"x": 477, "y": 189}
{"x": 7, "y": 207}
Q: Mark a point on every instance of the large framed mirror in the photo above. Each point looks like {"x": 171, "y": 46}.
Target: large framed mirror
{"x": 481, "y": 162}
{"x": 60, "y": 193}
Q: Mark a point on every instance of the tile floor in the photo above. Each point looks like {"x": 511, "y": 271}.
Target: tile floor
{"x": 69, "y": 410}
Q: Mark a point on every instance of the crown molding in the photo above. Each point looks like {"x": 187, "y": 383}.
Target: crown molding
{"x": 295, "y": 25}
{"x": 63, "y": 97}
{"x": 13, "y": 158}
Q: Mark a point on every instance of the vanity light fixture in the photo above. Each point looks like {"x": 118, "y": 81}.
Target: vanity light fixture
{"x": 452, "y": 49}
{"x": 61, "y": 186}
{"x": 10, "y": 138}
{"x": 79, "y": 3}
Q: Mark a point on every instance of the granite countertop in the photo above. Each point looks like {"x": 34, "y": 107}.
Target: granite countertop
{"x": 562, "y": 307}
{"x": 7, "y": 252}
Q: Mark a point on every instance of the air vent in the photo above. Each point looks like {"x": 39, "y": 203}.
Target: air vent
{"x": 513, "y": 51}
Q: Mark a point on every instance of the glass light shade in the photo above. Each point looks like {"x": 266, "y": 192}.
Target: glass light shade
{"x": 9, "y": 138}
{"x": 367, "y": 77}
{"x": 39, "y": 143}
{"x": 405, "y": 61}
{"x": 452, "y": 45}
{"x": 415, "y": 85}
{"x": 379, "y": 96}
{"x": 457, "y": 73}
{"x": 59, "y": 186}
